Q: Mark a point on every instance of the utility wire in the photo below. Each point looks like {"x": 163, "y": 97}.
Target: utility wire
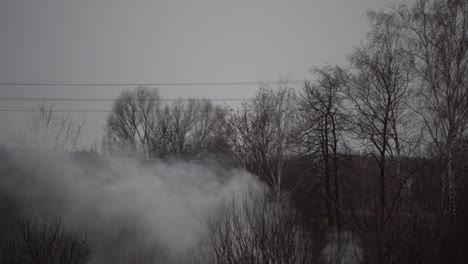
{"x": 240, "y": 83}
{"x": 72, "y": 99}
{"x": 75, "y": 99}
{"x": 57, "y": 110}
{"x": 108, "y": 111}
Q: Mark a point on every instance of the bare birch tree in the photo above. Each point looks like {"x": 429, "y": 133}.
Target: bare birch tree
{"x": 379, "y": 93}
{"x": 438, "y": 31}
{"x": 263, "y": 133}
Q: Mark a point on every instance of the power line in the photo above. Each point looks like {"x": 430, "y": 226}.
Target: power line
{"x": 107, "y": 111}
{"x": 57, "y": 110}
{"x": 239, "y": 83}
{"x": 75, "y": 99}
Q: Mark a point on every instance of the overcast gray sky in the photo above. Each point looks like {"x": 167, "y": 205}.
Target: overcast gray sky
{"x": 144, "y": 41}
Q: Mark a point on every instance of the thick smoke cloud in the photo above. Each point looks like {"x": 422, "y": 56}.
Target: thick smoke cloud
{"x": 151, "y": 210}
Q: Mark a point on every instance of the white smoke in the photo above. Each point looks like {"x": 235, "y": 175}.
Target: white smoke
{"x": 127, "y": 207}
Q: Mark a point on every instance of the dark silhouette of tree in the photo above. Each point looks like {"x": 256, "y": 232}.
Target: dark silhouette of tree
{"x": 140, "y": 125}
{"x": 43, "y": 241}
{"x": 130, "y": 126}
{"x": 189, "y": 128}
{"x": 379, "y": 92}
{"x": 322, "y": 123}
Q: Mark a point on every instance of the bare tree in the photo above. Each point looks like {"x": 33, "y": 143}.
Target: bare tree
{"x": 188, "y": 128}
{"x": 258, "y": 229}
{"x": 176, "y": 126}
{"x": 322, "y": 123}
{"x": 379, "y": 93}
{"x": 438, "y": 31}
{"x": 45, "y": 129}
{"x": 209, "y": 129}
{"x": 263, "y": 133}
{"x": 130, "y": 126}
{"x": 44, "y": 241}
{"x": 140, "y": 125}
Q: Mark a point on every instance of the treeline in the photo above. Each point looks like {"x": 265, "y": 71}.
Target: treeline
{"x": 379, "y": 146}
{"x": 140, "y": 125}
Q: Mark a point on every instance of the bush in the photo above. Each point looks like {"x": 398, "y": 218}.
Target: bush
{"x": 43, "y": 241}
{"x": 259, "y": 230}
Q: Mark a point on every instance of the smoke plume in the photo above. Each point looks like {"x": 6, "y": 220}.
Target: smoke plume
{"x": 130, "y": 209}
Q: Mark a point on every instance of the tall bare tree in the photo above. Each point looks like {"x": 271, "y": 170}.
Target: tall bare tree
{"x": 379, "y": 92}
{"x": 322, "y": 123}
{"x": 438, "y": 37}
{"x": 263, "y": 133}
